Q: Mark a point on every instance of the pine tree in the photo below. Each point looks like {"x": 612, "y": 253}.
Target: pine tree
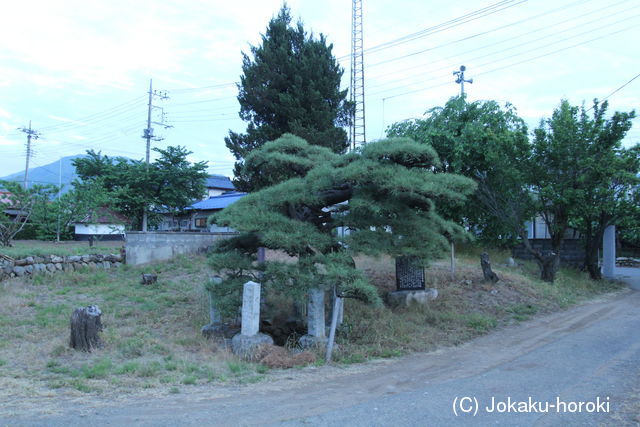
{"x": 290, "y": 85}
{"x": 392, "y": 194}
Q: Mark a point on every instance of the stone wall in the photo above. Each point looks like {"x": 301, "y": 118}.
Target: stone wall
{"x": 53, "y": 263}
{"x": 571, "y": 251}
{"x": 142, "y": 248}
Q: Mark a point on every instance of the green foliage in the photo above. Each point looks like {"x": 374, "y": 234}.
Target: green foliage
{"x": 58, "y": 215}
{"x": 170, "y": 183}
{"x": 291, "y": 84}
{"x": 17, "y": 208}
{"x": 488, "y": 144}
{"x": 583, "y": 177}
{"x": 392, "y": 194}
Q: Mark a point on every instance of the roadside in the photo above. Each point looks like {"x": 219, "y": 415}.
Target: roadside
{"x": 580, "y": 354}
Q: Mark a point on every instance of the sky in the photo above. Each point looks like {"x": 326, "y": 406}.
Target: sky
{"x": 80, "y": 70}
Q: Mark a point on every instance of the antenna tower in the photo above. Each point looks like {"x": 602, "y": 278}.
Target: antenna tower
{"x": 357, "y": 134}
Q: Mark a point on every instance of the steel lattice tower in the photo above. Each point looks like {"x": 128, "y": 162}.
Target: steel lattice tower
{"x": 357, "y": 134}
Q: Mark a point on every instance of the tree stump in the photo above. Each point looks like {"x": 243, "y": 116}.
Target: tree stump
{"x": 149, "y": 279}
{"x": 489, "y": 275}
{"x": 85, "y": 326}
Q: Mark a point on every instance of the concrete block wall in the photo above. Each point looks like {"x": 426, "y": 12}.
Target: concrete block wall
{"x": 571, "y": 251}
{"x": 142, "y": 248}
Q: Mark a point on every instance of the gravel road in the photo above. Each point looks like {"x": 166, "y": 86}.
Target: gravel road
{"x": 588, "y": 354}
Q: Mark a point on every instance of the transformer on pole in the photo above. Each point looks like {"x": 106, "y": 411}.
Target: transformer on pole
{"x": 357, "y": 135}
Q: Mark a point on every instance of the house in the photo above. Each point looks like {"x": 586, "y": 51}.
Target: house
{"x": 102, "y": 224}
{"x": 200, "y": 211}
{"x": 572, "y": 249}
{"x": 217, "y": 185}
{"x": 220, "y": 194}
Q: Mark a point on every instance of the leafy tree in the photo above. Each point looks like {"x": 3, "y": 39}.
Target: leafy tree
{"x": 17, "y": 208}
{"x": 392, "y": 194}
{"x": 57, "y": 215}
{"x": 580, "y": 176}
{"x": 290, "y": 85}
{"x": 601, "y": 175}
{"x": 169, "y": 184}
{"x": 489, "y": 144}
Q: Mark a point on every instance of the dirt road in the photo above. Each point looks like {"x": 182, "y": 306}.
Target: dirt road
{"x": 590, "y": 353}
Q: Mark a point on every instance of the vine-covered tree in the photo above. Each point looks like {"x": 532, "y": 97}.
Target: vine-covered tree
{"x": 170, "y": 183}
{"x": 392, "y": 194}
{"x": 290, "y": 84}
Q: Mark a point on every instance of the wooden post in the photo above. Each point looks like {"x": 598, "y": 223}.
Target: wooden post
{"x": 85, "y": 326}
{"x": 489, "y": 275}
{"x": 453, "y": 261}
{"x": 337, "y": 302}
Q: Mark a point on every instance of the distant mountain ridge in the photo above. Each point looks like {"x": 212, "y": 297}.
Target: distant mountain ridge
{"x": 59, "y": 171}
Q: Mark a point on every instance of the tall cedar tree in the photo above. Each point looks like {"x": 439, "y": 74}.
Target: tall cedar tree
{"x": 392, "y": 194}
{"x": 291, "y": 85}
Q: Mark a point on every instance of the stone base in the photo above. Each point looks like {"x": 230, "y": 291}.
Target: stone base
{"x": 405, "y": 298}
{"x": 220, "y": 330}
{"x": 245, "y": 346}
{"x": 309, "y": 341}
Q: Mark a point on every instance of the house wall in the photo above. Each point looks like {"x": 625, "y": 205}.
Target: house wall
{"x": 142, "y": 248}
{"x": 101, "y": 231}
{"x": 213, "y": 192}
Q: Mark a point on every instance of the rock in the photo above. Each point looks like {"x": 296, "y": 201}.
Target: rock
{"x": 149, "y": 279}
{"x": 117, "y": 264}
{"x": 86, "y": 258}
{"x": 39, "y": 267}
{"x": 19, "y": 271}
{"x": 74, "y": 258}
{"x": 309, "y": 341}
{"x": 67, "y": 266}
{"x": 220, "y": 330}
{"x": 58, "y": 266}
{"x": 28, "y": 268}
{"x": 51, "y": 267}
{"x": 406, "y": 298}
{"x": 91, "y": 264}
{"x": 106, "y": 265}
{"x": 511, "y": 262}
{"x": 29, "y": 260}
{"x": 245, "y": 346}
{"x": 20, "y": 262}
{"x": 56, "y": 259}
{"x": 38, "y": 260}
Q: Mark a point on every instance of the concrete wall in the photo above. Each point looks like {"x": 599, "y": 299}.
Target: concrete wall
{"x": 571, "y": 251}
{"x": 142, "y": 248}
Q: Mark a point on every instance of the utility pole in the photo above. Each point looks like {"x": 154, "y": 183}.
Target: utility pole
{"x": 59, "y": 194}
{"x": 460, "y": 79}
{"x": 30, "y": 134}
{"x": 357, "y": 134}
{"x": 148, "y": 133}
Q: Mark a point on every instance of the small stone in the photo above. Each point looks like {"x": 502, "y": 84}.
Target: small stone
{"x": 39, "y": 267}
{"x": 406, "y": 298}
{"x": 38, "y": 260}
{"x": 92, "y": 264}
{"x": 51, "y": 267}
{"x": 20, "y": 262}
{"x": 58, "y": 266}
{"x": 19, "y": 271}
{"x": 106, "y": 265}
{"x": 28, "y": 268}
{"x": 74, "y": 258}
{"x": 86, "y": 258}
{"x": 29, "y": 260}
{"x": 56, "y": 259}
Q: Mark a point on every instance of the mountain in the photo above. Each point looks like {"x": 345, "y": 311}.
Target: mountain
{"x": 52, "y": 173}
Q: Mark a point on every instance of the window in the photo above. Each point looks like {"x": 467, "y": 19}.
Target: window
{"x": 201, "y": 222}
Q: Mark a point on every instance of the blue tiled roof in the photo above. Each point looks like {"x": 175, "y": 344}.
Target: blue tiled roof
{"x": 218, "y": 202}
{"x": 219, "y": 181}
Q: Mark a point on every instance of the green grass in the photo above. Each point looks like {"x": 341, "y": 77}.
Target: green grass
{"x": 25, "y": 248}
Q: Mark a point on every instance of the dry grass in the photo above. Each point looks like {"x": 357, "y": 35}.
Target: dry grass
{"x": 152, "y": 340}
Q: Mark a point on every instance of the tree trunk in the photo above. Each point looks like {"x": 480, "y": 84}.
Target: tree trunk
{"x": 549, "y": 264}
{"x": 85, "y": 326}
{"x": 489, "y": 275}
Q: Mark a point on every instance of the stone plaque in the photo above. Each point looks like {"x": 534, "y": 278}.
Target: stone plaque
{"x": 409, "y": 273}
